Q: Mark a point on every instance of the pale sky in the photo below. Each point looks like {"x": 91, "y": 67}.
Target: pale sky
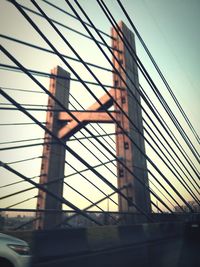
{"x": 170, "y": 29}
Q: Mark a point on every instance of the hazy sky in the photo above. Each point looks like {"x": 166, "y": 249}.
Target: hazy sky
{"x": 171, "y": 32}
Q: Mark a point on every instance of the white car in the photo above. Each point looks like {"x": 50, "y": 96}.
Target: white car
{"x": 14, "y": 252}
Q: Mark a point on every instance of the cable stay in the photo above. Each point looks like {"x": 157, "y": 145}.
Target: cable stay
{"x": 21, "y": 202}
{"x": 26, "y": 146}
{"x": 89, "y": 200}
{"x": 67, "y": 147}
{"x": 18, "y": 192}
{"x": 173, "y": 159}
{"x": 149, "y": 80}
{"x": 172, "y": 136}
{"x": 71, "y": 15}
{"x": 117, "y": 61}
{"x": 92, "y": 125}
{"x": 33, "y": 109}
{"x": 102, "y": 85}
{"x": 78, "y": 139}
{"x": 20, "y": 90}
{"x": 49, "y": 75}
{"x": 60, "y": 199}
{"x": 25, "y": 224}
{"x": 68, "y": 66}
{"x": 51, "y": 52}
{"x": 58, "y": 23}
{"x": 174, "y": 171}
{"x": 166, "y": 161}
{"x": 124, "y": 40}
{"x": 23, "y": 160}
{"x": 97, "y": 136}
{"x": 24, "y": 104}
{"x": 19, "y": 182}
{"x": 113, "y": 154}
{"x": 160, "y": 72}
{"x": 19, "y": 124}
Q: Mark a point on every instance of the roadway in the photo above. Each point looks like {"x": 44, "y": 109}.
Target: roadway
{"x": 181, "y": 251}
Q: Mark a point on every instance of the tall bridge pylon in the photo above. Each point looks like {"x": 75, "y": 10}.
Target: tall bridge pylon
{"x": 53, "y": 158}
{"x": 127, "y": 151}
{"x": 64, "y": 126}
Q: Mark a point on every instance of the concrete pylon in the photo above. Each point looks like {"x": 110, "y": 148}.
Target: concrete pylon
{"x": 64, "y": 126}
{"x": 53, "y": 160}
{"x": 125, "y": 149}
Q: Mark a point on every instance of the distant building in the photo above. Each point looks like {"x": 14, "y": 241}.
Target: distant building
{"x": 2, "y": 221}
{"x": 193, "y": 204}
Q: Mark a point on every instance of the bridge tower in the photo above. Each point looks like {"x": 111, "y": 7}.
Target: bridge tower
{"x": 64, "y": 126}
{"x": 53, "y": 158}
{"x": 125, "y": 149}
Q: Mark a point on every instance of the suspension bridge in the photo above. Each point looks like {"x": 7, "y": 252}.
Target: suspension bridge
{"x": 94, "y": 156}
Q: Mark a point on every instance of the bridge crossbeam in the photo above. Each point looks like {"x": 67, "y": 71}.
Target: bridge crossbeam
{"x": 88, "y": 116}
{"x": 91, "y": 116}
